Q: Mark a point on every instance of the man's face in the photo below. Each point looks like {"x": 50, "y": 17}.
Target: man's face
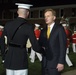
{"x": 49, "y": 17}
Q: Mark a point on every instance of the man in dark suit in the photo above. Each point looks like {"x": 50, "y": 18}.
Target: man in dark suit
{"x": 53, "y": 44}
{"x": 16, "y": 60}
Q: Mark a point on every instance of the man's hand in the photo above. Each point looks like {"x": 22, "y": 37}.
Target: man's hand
{"x": 60, "y": 67}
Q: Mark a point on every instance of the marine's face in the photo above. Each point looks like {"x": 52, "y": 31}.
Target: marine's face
{"x": 49, "y": 17}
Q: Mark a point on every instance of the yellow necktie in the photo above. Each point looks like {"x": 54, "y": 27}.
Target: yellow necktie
{"x": 48, "y": 32}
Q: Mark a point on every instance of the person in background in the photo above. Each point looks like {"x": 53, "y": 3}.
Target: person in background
{"x": 33, "y": 53}
{"x": 1, "y": 31}
{"x": 74, "y": 40}
{"x": 16, "y": 59}
{"x": 68, "y": 61}
{"x": 68, "y": 36}
{"x": 53, "y": 40}
{"x": 65, "y": 23}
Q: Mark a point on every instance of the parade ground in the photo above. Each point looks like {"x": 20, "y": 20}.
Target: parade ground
{"x": 35, "y": 68}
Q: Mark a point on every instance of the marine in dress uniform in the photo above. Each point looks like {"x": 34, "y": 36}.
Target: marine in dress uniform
{"x": 68, "y": 37}
{"x": 37, "y": 34}
{"x": 68, "y": 61}
{"x": 16, "y": 59}
{"x": 65, "y": 23}
{"x": 74, "y": 41}
{"x": 1, "y": 30}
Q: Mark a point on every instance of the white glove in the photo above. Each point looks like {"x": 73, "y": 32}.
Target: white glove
{"x": 3, "y": 61}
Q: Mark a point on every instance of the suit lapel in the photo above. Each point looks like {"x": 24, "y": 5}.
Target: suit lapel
{"x": 46, "y": 32}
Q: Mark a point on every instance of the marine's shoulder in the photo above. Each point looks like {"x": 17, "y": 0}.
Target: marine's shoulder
{"x": 28, "y": 26}
{"x": 12, "y": 21}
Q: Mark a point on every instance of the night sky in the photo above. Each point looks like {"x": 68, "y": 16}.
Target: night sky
{"x": 39, "y": 3}
{"x": 36, "y": 3}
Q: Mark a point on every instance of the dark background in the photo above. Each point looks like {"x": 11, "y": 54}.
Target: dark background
{"x": 9, "y": 4}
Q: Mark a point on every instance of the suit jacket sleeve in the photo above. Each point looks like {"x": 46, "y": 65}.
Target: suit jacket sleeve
{"x": 62, "y": 41}
{"x": 42, "y": 43}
